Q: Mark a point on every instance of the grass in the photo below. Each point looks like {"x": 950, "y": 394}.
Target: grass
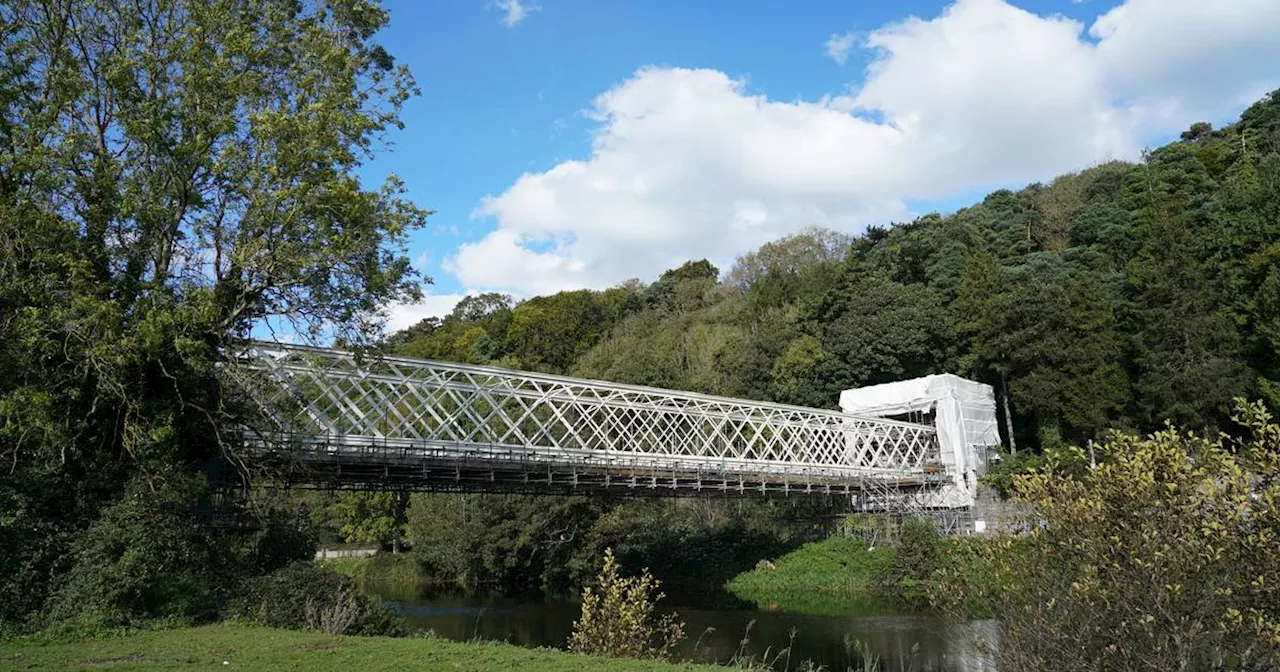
{"x": 383, "y": 568}
{"x": 831, "y": 577}
{"x": 226, "y": 647}
{"x": 835, "y": 566}
{"x": 351, "y": 568}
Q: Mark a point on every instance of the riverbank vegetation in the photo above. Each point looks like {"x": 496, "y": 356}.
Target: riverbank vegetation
{"x": 844, "y": 575}
{"x": 837, "y": 569}
{"x": 147, "y": 154}
{"x": 1162, "y": 557}
{"x": 619, "y": 616}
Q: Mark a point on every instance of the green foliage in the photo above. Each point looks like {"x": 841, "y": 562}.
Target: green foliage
{"x": 619, "y": 620}
{"x": 542, "y": 541}
{"x": 876, "y": 330}
{"x": 848, "y": 568}
{"x": 143, "y": 558}
{"x": 692, "y": 545}
{"x": 512, "y": 540}
{"x": 1002, "y": 473}
{"x": 1161, "y": 557}
{"x": 171, "y": 175}
{"x": 382, "y": 569}
{"x": 917, "y": 554}
{"x": 371, "y": 517}
{"x": 841, "y": 576}
{"x": 304, "y": 596}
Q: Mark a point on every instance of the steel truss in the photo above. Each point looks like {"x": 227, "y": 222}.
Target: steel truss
{"x": 336, "y": 419}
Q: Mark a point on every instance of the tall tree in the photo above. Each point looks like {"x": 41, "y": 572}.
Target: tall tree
{"x": 173, "y": 173}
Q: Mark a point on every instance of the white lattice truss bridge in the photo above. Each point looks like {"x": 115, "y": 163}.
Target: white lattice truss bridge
{"x": 335, "y": 419}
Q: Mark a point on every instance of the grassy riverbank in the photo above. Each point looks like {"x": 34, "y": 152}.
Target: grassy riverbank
{"x": 226, "y": 647}
{"x": 388, "y": 568}
{"x": 831, "y": 577}
{"x": 841, "y": 576}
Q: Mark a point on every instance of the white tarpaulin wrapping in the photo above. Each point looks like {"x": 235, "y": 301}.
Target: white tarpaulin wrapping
{"x": 964, "y": 414}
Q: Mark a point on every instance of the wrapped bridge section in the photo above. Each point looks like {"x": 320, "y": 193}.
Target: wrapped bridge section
{"x": 331, "y": 418}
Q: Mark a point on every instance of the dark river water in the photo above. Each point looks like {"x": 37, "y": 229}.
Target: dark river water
{"x": 716, "y": 628}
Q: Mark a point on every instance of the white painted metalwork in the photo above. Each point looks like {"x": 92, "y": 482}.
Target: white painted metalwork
{"x": 443, "y": 420}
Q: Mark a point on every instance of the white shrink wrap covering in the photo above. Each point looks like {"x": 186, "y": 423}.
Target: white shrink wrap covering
{"x": 964, "y": 415}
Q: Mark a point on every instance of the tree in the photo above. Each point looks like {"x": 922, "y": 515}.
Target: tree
{"x": 619, "y": 619}
{"x": 1063, "y": 351}
{"x": 796, "y": 268}
{"x": 171, "y": 175}
{"x": 979, "y": 316}
{"x": 682, "y": 288}
{"x": 547, "y": 333}
{"x": 878, "y": 331}
{"x": 1188, "y": 357}
{"x": 371, "y": 517}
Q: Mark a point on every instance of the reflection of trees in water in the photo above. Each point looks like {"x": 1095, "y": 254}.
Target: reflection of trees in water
{"x": 908, "y": 641}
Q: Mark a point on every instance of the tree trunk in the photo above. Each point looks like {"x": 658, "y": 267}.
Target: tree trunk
{"x": 1008, "y": 417}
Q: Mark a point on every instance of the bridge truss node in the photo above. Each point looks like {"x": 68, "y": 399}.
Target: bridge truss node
{"x": 332, "y": 419}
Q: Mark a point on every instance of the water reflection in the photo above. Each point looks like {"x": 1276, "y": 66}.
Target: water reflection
{"x": 716, "y": 627}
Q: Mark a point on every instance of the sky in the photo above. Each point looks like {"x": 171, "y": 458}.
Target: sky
{"x": 568, "y": 144}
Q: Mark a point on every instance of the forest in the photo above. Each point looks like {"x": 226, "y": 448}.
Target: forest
{"x": 1121, "y": 297}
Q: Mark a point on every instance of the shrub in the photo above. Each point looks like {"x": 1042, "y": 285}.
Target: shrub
{"x": 917, "y": 555}
{"x": 144, "y": 558}
{"x": 618, "y": 617}
{"x": 279, "y": 541}
{"x": 303, "y": 596}
{"x": 1160, "y": 558}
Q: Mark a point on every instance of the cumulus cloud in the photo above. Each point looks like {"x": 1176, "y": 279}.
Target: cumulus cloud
{"x": 514, "y": 11}
{"x": 404, "y": 315}
{"x": 694, "y": 163}
{"x": 838, "y": 47}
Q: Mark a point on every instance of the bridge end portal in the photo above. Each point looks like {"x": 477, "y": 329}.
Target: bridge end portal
{"x": 962, "y": 411}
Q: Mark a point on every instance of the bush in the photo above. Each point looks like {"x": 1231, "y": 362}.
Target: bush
{"x": 917, "y": 555}
{"x": 303, "y": 596}
{"x": 618, "y": 617}
{"x": 279, "y": 541}
{"x": 145, "y": 558}
{"x": 1163, "y": 557}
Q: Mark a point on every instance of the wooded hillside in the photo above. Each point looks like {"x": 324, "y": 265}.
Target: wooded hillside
{"x": 1125, "y": 295}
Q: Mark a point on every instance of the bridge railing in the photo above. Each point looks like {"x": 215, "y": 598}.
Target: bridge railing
{"x": 438, "y": 411}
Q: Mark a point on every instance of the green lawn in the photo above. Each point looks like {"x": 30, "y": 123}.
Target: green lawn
{"x": 227, "y": 647}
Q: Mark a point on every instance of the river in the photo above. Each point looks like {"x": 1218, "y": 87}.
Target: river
{"x": 716, "y": 628}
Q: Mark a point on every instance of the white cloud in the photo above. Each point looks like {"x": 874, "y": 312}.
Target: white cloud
{"x": 839, "y": 45}
{"x": 1189, "y": 59}
{"x": 694, "y": 163}
{"x": 514, "y": 11}
{"x": 405, "y": 315}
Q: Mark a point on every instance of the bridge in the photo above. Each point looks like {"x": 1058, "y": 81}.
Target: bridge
{"x": 331, "y": 418}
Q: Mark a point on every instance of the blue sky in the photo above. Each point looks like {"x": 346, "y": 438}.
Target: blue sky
{"x": 727, "y": 124}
